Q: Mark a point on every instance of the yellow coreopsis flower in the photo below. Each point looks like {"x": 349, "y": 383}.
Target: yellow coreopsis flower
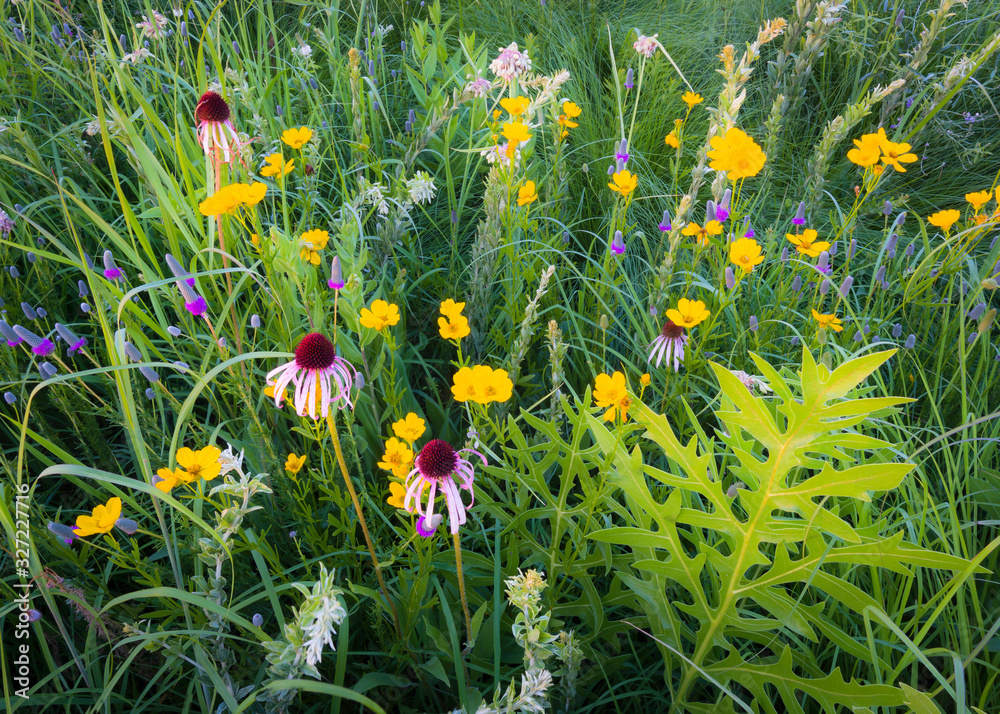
{"x": 623, "y": 182}
{"x": 688, "y": 313}
{"x": 297, "y": 138}
{"x": 409, "y": 428}
{"x": 672, "y": 140}
{"x": 453, "y": 329}
{"x": 736, "y": 154}
{"x": 452, "y": 309}
{"x": 464, "y": 389}
{"x": 712, "y": 228}
{"x": 397, "y": 495}
{"x": 611, "y": 392}
{"x": 275, "y": 165}
{"x": 868, "y": 151}
{"x": 381, "y": 315}
{"x": 895, "y": 155}
{"x": 294, "y": 464}
{"x": 645, "y": 379}
{"x": 526, "y": 194}
{"x": 311, "y": 243}
{"x": 201, "y": 464}
{"x": 692, "y": 100}
{"x": 944, "y": 219}
{"x": 515, "y": 132}
{"x": 831, "y": 321}
{"x": 482, "y": 384}
{"x": 249, "y": 194}
{"x": 515, "y": 106}
{"x": 101, "y": 520}
{"x": 222, "y": 201}
{"x": 806, "y": 244}
{"x": 570, "y": 112}
{"x": 978, "y": 199}
{"x": 746, "y": 253}
{"x": 397, "y": 458}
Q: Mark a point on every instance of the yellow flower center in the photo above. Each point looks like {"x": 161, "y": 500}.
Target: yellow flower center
{"x": 195, "y": 469}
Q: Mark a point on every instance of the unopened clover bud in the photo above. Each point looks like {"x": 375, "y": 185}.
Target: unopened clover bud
{"x": 824, "y": 261}
{"x": 845, "y": 287}
{"x": 824, "y": 287}
{"x": 897, "y": 330}
{"x": 852, "y": 248}
{"x": 858, "y": 336}
{"x": 887, "y": 209}
{"x": 795, "y": 340}
{"x": 730, "y": 279}
{"x": 910, "y": 342}
{"x": 710, "y": 211}
{"x": 628, "y": 79}
{"x": 753, "y": 323}
{"x": 880, "y": 274}
{"x": 797, "y": 283}
{"x": 833, "y": 249}
{"x": 258, "y": 619}
{"x": 255, "y": 321}
{"x": 784, "y": 254}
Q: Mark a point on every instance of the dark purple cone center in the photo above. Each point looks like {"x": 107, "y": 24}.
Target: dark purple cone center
{"x": 212, "y": 108}
{"x": 437, "y": 459}
{"x": 672, "y": 331}
{"x": 314, "y": 352}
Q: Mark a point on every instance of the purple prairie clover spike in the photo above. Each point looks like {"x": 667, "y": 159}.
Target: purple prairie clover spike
{"x": 88, "y": 262}
{"x": 618, "y": 243}
{"x": 9, "y": 397}
{"x": 800, "y": 214}
{"x": 313, "y": 83}
{"x": 665, "y": 224}
{"x": 858, "y": 336}
{"x": 32, "y": 257}
{"x": 880, "y": 274}
{"x": 890, "y": 245}
{"x": 611, "y": 169}
{"x": 852, "y": 248}
{"x": 887, "y": 209}
{"x": 797, "y": 283}
{"x": 972, "y": 337}
{"x": 899, "y": 17}
{"x": 178, "y": 270}
{"x": 412, "y": 116}
{"x": 876, "y": 338}
{"x": 324, "y": 125}
{"x": 454, "y": 216}
{"x": 82, "y": 287}
{"x": 112, "y": 271}
{"x": 371, "y": 68}
{"x": 278, "y": 111}
{"x": 29, "y": 311}
{"x": 222, "y": 342}
{"x": 14, "y": 272}
{"x": 359, "y": 381}
{"x": 42, "y": 312}
{"x": 75, "y": 343}
{"x": 897, "y": 330}
{"x": 18, "y": 35}
{"x": 191, "y": 14}
{"x": 193, "y": 302}
{"x": 622, "y": 153}
{"x": 393, "y": 73}
{"x": 257, "y": 620}
{"x": 402, "y": 47}
{"x": 824, "y": 262}
{"x": 867, "y": 328}
{"x": 833, "y": 249}
{"x": 175, "y": 331}
{"x": 753, "y": 323}
{"x": 336, "y": 281}
{"x": 620, "y": 166}
{"x": 149, "y": 374}
{"x": 784, "y": 254}
{"x": 824, "y": 287}
{"x": 722, "y": 210}
{"x": 66, "y": 533}
{"x": 184, "y": 29}
{"x": 911, "y": 341}
{"x": 977, "y": 311}
{"x": 133, "y": 353}
{"x": 628, "y": 79}
{"x": 407, "y": 127}
{"x": 710, "y": 211}
{"x": 255, "y": 321}
{"x": 909, "y": 251}
{"x": 46, "y": 370}
{"x": 426, "y": 527}
{"x": 565, "y": 237}
{"x": 730, "y": 279}
{"x": 236, "y": 48}
{"x": 121, "y": 41}
{"x": 375, "y": 105}
{"x": 41, "y": 346}
{"x": 182, "y": 365}
{"x": 896, "y": 224}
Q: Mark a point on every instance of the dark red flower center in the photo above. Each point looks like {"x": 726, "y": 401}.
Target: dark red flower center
{"x": 314, "y": 352}
{"x": 211, "y": 108}
{"x": 437, "y": 459}
{"x": 672, "y": 330}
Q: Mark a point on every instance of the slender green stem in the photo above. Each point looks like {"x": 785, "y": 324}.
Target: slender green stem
{"x": 461, "y": 590}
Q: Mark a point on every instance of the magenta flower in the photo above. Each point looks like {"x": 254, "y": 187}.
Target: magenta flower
{"x": 319, "y": 376}
{"x": 41, "y": 346}
{"x": 669, "y": 344}
{"x": 112, "y": 271}
{"x": 665, "y": 224}
{"x": 618, "y": 243}
{"x": 336, "y": 281}
{"x": 437, "y": 467}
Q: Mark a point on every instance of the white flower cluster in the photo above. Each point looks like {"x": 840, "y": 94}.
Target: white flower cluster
{"x": 646, "y": 46}
{"x": 510, "y": 63}
{"x": 421, "y": 188}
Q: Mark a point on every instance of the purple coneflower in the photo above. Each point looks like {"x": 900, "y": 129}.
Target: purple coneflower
{"x": 215, "y": 127}
{"x": 669, "y": 344}
{"x": 437, "y": 466}
{"x": 318, "y": 374}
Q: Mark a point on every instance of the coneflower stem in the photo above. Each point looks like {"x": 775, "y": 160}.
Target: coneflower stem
{"x": 461, "y": 590}
{"x": 364, "y": 525}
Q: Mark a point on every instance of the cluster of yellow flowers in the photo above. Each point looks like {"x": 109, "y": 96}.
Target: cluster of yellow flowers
{"x": 398, "y": 456}
{"x": 873, "y": 148}
{"x": 737, "y": 154}
{"x": 232, "y": 196}
{"x": 947, "y": 218}
{"x": 482, "y": 384}
{"x": 191, "y": 466}
{"x": 611, "y": 392}
{"x": 454, "y": 325}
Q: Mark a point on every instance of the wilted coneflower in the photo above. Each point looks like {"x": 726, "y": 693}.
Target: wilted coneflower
{"x": 41, "y": 346}
{"x": 216, "y": 132}
{"x": 669, "y": 344}
{"x": 320, "y": 377}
